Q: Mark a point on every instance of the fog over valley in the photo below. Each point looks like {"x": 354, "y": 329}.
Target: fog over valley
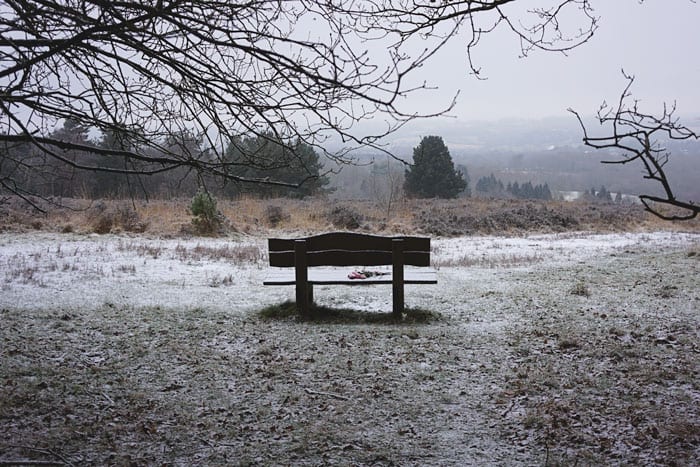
{"x": 548, "y": 150}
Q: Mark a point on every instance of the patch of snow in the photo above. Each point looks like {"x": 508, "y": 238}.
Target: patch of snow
{"x": 72, "y": 271}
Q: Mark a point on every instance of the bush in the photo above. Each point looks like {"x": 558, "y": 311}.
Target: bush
{"x": 275, "y": 215}
{"x": 207, "y": 218}
{"x": 580, "y": 289}
{"x": 345, "y": 217}
{"x": 129, "y": 219}
{"x": 103, "y": 224}
{"x": 111, "y": 218}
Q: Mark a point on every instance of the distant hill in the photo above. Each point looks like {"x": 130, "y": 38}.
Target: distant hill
{"x": 545, "y": 151}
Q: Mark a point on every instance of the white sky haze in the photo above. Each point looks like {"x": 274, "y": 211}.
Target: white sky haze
{"x": 656, "y": 41}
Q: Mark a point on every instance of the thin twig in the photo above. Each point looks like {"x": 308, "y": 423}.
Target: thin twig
{"x": 28, "y": 462}
{"x": 109, "y": 399}
{"x": 329, "y": 394}
{"x": 49, "y": 452}
{"x": 510, "y": 407}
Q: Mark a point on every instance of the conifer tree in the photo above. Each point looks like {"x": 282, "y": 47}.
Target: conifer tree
{"x": 433, "y": 174}
{"x": 291, "y": 162}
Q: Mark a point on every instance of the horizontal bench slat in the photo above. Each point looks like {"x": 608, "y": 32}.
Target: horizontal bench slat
{"x": 323, "y": 276}
{"x": 350, "y": 241}
{"x": 343, "y": 257}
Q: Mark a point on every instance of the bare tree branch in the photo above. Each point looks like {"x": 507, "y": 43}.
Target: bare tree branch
{"x": 304, "y": 70}
{"x": 640, "y": 137}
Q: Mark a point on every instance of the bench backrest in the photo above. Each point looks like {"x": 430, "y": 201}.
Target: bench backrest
{"x": 350, "y": 249}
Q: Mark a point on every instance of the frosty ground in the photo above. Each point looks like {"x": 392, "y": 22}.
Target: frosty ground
{"x": 570, "y": 348}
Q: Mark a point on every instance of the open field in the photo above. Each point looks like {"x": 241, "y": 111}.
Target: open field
{"x": 541, "y": 349}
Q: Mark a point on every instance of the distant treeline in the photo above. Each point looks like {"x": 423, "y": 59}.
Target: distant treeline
{"x": 93, "y": 175}
{"x": 262, "y": 157}
{"x": 601, "y": 195}
{"x": 492, "y": 187}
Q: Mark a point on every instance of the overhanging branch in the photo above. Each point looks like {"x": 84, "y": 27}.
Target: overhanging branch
{"x": 637, "y": 136}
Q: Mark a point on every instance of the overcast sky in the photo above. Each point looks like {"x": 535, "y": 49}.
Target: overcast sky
{"x": 657, "y": 41}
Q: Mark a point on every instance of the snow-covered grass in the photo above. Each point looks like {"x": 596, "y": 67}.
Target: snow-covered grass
{"x": 74, "y": 271}
{"x": 119, "y": 349}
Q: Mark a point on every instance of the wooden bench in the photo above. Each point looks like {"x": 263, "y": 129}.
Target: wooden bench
{"x": 349, "y": 249}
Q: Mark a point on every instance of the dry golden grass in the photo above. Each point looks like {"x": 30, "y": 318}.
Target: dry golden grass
{"x": 263, "y": 217}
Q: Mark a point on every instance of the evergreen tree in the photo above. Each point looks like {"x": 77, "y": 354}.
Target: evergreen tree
{"x": 529, "y": 191}
{"x": 604, "y": 195}
{"x": 65, "y": 181}
{"x": 546, "y": 192}
{"x": 433, "y": 174}
{"x": 108, "y": 183}
{"x": 467, "y": 192}
{"x": 490, "y": 185}
{"x": 268, "y": 157}
{"x": 516, "y": 190}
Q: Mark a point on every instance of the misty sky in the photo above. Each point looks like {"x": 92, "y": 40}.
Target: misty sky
{"x": 658, "y": 42}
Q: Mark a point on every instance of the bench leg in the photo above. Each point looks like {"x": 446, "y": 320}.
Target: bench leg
{"x": 304, "y": 298}
{"x": 397, "y": 280}
{"x": 304, "y": 289}
{"x": 398, "y": 306}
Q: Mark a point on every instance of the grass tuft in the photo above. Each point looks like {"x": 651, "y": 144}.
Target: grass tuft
{"x": 580, "y": 289}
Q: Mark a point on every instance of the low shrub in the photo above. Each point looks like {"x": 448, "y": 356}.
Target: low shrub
{"x": 276, "y": 215}
{"x": 207, "y": 219}
{"x": 580, "y": 289}
{"x": 129, "y": 219}
{"x": 103, "y": 223}
{"x": 345, "y": 217}
{"x": 111, "y": 218}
